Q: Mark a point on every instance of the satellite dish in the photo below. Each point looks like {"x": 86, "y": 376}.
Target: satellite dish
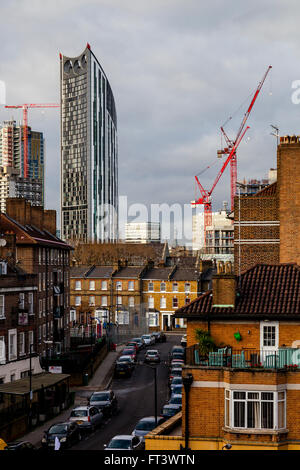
{"x": 2, "y": 242}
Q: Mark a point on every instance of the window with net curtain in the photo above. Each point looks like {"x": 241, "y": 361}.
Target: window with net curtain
{"x": 255, "y": 409}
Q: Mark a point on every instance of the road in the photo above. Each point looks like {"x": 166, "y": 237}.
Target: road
{"x": 135, "y": 397}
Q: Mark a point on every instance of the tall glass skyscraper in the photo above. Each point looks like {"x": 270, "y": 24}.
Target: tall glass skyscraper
{"x": 89, "y": 151}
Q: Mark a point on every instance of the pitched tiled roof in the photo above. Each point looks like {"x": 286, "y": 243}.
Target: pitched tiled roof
{"x": 79, "y": 271}
{"x": 185, "y": 274}
{"x": 267, "y": 191}
{"x": 28, "y": 234}
{"x": 128, "y": 272}
{"x": 268, "y": 290}
{"x": 158, "y": 274}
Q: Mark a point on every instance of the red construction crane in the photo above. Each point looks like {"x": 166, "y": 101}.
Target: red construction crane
{"x": 206, "y": 195}
{"x": 230, "y": 143}
{"x": 230, "y": 150}
{"x": 25, "y": 127}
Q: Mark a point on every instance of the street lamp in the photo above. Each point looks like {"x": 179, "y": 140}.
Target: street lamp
{"x": 187, "y": 381}
{"x": 155, "y": 388}
{"x": 227, "y": 447}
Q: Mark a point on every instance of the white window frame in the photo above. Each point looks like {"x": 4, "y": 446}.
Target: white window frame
{"x": 131, "y": 301}
{"x": 119, "y": 300}
{"x": 30, "y": 339}
{"x": 12, "y": 344}
{"x": 122, "y": 318}
{"x": 266, "y": 324}
{"x": 119, "y": 285}
{"x": 92, "y": 301}
{"x": 92, "y": 285}
{"x": 22, "y": 344}
{"x": 151, "y": 302}
{"x": 78, "y": 300}
{"x": 165, "y": 286}
{"x": 21, "y": 300}
{"x": 130, "y": 285}
{"x": 103, "y": 285}
{"x": 153, "y": 319}
{"x": 187, "y": 287}
{"x": 150, "y": 286}
{"x": 30, "y": 303}
{"x": 2, "y": 306}
{"x": 229, "y": 408}
{"x": 2, "y": 350}
{"x": 104, "y": 300}
{"x": 175, "y": 287}
{"x": 77, "y": 285}
{"x": 163, "y": 302}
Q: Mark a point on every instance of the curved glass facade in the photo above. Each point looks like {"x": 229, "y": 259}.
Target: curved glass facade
{"x": 89, "y": 151}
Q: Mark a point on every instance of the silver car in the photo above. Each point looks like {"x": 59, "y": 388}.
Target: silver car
{"x": 87, "y": 417}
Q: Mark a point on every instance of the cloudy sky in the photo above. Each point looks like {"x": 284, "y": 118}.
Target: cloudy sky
{"x": 178, "y": 69}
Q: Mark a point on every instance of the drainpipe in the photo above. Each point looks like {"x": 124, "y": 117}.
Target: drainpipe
{"x": 187, "y": 382}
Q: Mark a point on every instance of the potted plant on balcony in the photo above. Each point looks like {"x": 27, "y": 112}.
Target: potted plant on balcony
{"x": 206, "y": 342}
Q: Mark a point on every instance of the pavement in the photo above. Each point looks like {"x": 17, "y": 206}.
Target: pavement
{"x": 101, "y": 380}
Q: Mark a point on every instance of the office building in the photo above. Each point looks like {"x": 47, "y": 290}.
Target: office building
{"x": 142, "y": 232}
{"x": 89, "y": 151}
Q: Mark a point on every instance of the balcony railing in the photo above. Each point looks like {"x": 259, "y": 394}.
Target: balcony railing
{"x": 281, "y": 358}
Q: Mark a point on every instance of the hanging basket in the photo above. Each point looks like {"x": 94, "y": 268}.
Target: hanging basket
{"x": 237, "y": 336}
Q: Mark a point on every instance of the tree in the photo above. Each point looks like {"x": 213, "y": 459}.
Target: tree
{"x": 206, "y": 342}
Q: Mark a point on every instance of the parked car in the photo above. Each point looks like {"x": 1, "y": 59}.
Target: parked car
{"x": 129, "y": 351}
{"x": 169, "y": 410}
{"x": 177, "y": 390}
{"x": 139, "y": 342}
{"x": 183, "y": 341}
{"x": 175, "y": 372}
{"x": 20, "y": 445}
{"x": 105, "y": 401}
{"x": 68, "y": 433}
{"x": 124, "y": 366}
{"x": 152, "y": 355}
{"x": 147, "y": 424}
{"x": 148, "y": 339}
{"x": 177, "y": 363}
{"x": 87, "y": 417}
{"x": 163, "y": 337}
{"x": 177, "y": 349}
{"x": 176, "y": 400}
{"x": 156, "y": 335}
{"x": 124, "y": 442}
{"x": 176, "y": 381}
{"x": 132, "y": 344}
{"x": 177, "y": 355}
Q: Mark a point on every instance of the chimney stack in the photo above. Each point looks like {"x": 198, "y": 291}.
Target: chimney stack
{"x": 224, "y": 285}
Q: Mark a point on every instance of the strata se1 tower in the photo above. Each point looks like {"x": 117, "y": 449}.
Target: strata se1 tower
{"x": 89, "y": 151}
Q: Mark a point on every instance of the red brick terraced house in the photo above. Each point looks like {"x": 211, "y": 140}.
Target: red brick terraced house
{"x": 246, "y": 391}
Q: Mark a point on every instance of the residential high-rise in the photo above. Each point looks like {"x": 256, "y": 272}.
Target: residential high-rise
{"x": 13, "y": 182}
{"x": 89, "y": 151}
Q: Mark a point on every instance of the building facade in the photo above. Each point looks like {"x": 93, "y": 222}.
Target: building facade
{"x": 143, "y": 232}
{"x": 89, "y": 151}
{"x": 38, "y": 253}
{"x": 13, "y": 182}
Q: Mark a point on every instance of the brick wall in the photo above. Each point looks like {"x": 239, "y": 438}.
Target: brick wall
{"x": 288, "y": 167}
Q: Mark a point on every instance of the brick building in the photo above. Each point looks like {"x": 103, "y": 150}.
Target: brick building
{"x": 120, "y": 291}
{"x": 35, "y": 250}
{"x": 266, "y": 224}
{"x": 246, "y": 392}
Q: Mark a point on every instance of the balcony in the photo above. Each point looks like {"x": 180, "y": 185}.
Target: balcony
{"x": 281, "y": 358}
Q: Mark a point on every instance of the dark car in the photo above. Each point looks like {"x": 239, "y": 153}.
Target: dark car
{"x": 152, "y": 355}
{"x": 177, "y": 389}
{"x": 175, "y": 381}
{"x": 145, "y": 425}
{"x": 163, "y": 337}
{"x": 20, "y": 445}
{"x": 124, "y": 366}
{"x": 176, "y": 400}
{"x": 175, "y": 372}
{"x": 156, "y": 335}
{"x": 177, "y": 349}
{"x": 68, "y": 433}
{"x": 124, "y": 442}
{"x": 170, "y": 410}
{"x": 105, "y": 401}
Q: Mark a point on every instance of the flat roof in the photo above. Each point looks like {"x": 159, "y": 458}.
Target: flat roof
{"x": 22, "y": 386}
